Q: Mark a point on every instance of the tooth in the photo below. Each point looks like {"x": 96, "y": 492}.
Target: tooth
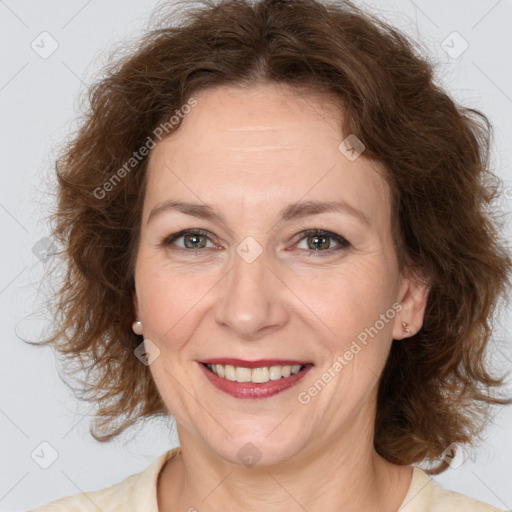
{"x": 260, "y": 375}
{"x": 229, "y": 372}
{"x": 242, "y": 374}
{"x": 256, "y": 375}
{"x": 275, "y": 373}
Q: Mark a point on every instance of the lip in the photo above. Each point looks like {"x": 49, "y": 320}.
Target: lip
{"x": 253, "y": 390}
{"x": 260, "y": 363}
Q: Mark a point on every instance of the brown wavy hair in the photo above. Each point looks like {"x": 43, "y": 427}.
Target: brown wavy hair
{"x": 436, "y": 388}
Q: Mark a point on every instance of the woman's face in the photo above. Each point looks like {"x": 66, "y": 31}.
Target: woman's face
{"x": 253, "y": 285}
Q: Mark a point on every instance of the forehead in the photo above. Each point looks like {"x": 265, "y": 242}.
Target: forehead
{"x": 260, "y": 118}
{"x": 268, "y": 145}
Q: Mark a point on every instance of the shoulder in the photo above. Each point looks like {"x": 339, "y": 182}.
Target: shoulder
{"x": 426, "y": 495}
{"x": 138, "y": 491}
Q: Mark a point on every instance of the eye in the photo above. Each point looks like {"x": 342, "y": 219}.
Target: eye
{"x": 192, "y": 238}
{"x": 318, "y": 241}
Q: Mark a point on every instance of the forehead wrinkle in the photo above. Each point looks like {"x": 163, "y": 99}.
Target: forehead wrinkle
{"x": 252, "y": 129}
{"x": 264, "y": 148}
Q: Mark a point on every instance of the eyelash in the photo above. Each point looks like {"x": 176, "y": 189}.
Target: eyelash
{"x": 343, "y": 243}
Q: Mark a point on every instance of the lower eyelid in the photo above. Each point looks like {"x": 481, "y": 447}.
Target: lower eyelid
{"x": 341, "y": 241}
{"x": 326, "y": 252}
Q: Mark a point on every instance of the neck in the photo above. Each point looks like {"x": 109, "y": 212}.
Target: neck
{"x": 344, "y": 474}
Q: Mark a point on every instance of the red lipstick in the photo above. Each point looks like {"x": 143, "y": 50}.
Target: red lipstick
{"x": 251, "y": 389}
{"x": 260, "y": 363}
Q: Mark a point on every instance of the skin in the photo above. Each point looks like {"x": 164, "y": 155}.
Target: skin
{"x": 248, "y": 152}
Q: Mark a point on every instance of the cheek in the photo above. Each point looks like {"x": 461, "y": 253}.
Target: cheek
{"x": 173, "y": 301}
{"x": 337, "y": 305}
{"x": 352, "y": 333}
{"x": 348, "y": 299}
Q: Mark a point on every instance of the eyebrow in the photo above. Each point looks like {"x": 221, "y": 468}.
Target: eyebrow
{"x": 288, "y": 213}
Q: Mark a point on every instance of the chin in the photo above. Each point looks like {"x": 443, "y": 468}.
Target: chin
{"x": 257, "y": 450}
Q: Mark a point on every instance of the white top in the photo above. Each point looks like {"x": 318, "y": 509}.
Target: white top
{"x": 138, "y": 493}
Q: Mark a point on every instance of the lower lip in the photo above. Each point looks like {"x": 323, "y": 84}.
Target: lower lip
{"x": 251, "y": 389}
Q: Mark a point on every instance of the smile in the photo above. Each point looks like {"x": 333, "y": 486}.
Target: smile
{"x": 254, "y": 382}
{"x": 256, "y": 375}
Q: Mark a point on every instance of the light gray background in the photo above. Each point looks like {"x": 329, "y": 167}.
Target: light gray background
{"x": 38, "y": 101}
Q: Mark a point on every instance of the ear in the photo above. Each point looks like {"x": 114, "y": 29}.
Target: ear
{"x": 413, "y": 296}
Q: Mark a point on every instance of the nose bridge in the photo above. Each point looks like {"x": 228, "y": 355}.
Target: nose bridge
{"x": 251, "y": 300}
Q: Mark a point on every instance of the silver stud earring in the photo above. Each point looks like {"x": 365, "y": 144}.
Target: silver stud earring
{"x": 137, "y": 327}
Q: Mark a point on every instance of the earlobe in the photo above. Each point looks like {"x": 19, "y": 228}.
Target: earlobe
{"x": 413, "y": 300}
{"x": 137, "y": 325}
{"x": 137, "y": 328}
{"x": 405, "y": 330}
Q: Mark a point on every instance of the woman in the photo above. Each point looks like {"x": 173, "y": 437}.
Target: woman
{"x": 276, "y": 230}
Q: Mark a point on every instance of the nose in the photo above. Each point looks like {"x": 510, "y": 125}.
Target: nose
{"x": 252, "y": 299}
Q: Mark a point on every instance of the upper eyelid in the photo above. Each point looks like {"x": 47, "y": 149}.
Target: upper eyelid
{"x": 301, "y": 235}
{"x": 185, "y": 232}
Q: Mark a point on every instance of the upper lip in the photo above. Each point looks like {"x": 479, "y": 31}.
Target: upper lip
{"x": 260, "y": 363}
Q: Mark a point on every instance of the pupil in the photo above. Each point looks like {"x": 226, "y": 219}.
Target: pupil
{"x": 325, "y": 243}
{"x": 194, "y": 239}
